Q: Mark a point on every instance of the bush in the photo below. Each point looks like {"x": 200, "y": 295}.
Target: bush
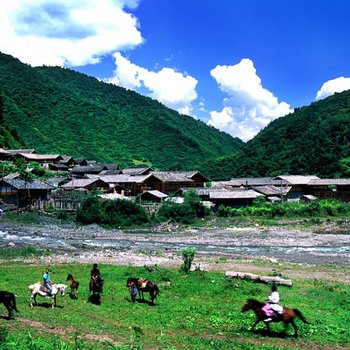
{"x": 118, "y": 213}
{"x": 187, "y": 257}
{"x": 90, "y": 211}
{"x": 180, "y": 213}
{"x": 123, "y": 213}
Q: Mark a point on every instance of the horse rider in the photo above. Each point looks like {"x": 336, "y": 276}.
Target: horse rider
{"x": 47, "y": 281}
{"x": 273, "y": 303}
{"x": 95, "y": 272}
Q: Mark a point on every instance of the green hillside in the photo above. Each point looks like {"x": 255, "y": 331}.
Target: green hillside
{"x": 312, "y": 140}
{"x": 56, "y": 110}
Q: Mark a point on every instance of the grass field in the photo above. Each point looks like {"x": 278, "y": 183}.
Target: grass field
{"x": 196, "y": 311}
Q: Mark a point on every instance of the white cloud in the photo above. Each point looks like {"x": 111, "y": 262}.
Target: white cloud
{"x": 331, "y": 86}
{"x": 249, "y": 107}
{"x": 173, "y": 89}
{"x": 66, "y": 33}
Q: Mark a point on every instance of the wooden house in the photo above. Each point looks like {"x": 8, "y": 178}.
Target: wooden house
{"x": 80, "y": 171}
{"x": 172, "y": 181}
{"x": 296, "y": 185}
{"x": 22, "y": 193}
{"x": 58, "y": 167}
{"x": 234, "y": 199}
{"x": 133, "y": 184}
{"x": 43, "y": 159}
{"x": 8, "y": 154}
{"x": 152, "y": 196}
{"x": 271, "y": 192}
{"x": 68, "y": 161}
{"x": 136, "y": 171}
{"x": 330, "y": 189}
{"x": 85, "y": 184}
{"x": 248, "y": 182}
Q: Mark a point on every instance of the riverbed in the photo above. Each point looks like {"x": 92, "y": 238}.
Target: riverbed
{"x": 215, "y": 247}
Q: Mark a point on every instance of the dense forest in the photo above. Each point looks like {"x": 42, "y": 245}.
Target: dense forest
{"x": 314, "y": 140}
{"x": 57, "y": 110}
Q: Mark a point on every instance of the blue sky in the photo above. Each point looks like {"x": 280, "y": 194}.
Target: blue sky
{"x": 235, "y": 64}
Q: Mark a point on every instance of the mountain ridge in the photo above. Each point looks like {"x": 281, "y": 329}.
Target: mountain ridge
{"x": 58, "y": 110}
{"x": 314, "y": 140}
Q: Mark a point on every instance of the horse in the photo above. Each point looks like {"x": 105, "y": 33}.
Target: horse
{"x": 144, "y": 286}
{"x": 96, "y": 284}
{"x": 288, "y": 315}
{"x": 9, "y": 301}
{"x": 35, "y": 289}
{"x": 74, "y": 285}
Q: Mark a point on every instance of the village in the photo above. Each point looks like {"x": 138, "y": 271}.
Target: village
{"x": 73, "y": 178}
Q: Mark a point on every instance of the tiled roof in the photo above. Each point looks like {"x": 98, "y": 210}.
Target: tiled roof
{"x": 243, "y": 194}
{"x": 79, "y": 183}
{"x": 270, "y": 190}
{"x": 328, "y": 182}
{"x": 28, "y": 185}
{"x": 169, "y": 176}
{"x": 136, "y": 171}
{"x": 86, "y": 169}
{"x": 123, "y": 178}
{"x": 257, "y": 181}
{"x": 155, "y": 193}
{"x": 297, "y": 179}
{"x": 39, "y": 157}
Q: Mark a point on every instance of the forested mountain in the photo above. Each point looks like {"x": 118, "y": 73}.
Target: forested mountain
{"x": 312, "y": 140}
{"x": 56, "y": 110}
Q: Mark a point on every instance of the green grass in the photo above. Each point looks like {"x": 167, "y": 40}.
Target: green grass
{"x": 27, "y": 218}
{"x": 196, "y": 311}
{"x": 14, "y": 252}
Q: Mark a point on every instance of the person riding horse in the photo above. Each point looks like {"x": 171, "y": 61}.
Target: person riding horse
{"x": 272, "y": 307}
{"x": 47, "y": 281}
{"x": 96, "y": 282}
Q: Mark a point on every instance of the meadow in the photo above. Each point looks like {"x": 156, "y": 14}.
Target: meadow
{"x": 198, "y": 310}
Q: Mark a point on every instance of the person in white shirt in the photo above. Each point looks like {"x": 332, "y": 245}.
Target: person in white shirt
{"x": 273, "y": 301}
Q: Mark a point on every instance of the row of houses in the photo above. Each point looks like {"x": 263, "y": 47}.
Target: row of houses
{"x": 147, "y": 185}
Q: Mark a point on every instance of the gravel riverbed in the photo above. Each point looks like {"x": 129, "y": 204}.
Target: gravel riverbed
{"x": 320, "y": 252}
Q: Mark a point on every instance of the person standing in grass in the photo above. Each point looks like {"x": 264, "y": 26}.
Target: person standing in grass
{"x": 133, "y": 291}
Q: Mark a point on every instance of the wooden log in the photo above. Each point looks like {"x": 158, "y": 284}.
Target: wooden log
{"x": 258, "y": 278}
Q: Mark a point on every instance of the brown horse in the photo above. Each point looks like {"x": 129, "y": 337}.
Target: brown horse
{"x": 288, "y": 315}
{"x": 74, "y": 285}
{"x": 144, "y": 286}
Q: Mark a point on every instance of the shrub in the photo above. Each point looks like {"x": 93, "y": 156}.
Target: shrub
{"x": 111, "y": 213}
{"x": 180, "y": 213}
{"x": 187, "y": 257}
{"x": 123, "y": 213}
{"x": 90, "y": 211}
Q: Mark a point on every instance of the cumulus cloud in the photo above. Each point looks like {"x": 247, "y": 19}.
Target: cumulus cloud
{"x": 172, "y": 88}
{"x": 331, "y": 86}
{"x": 249, "y": 107}
{"x": 66, "y": 33}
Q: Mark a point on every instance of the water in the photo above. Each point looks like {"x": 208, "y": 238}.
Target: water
{"x": 336, "y": 254}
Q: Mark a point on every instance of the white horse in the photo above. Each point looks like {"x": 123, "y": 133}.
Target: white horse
{"x": 55, "y": 289}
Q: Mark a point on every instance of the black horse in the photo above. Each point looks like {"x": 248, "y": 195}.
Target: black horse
{"x": 9, "y": 301}
{"x": 144, "y": 286}
{"x": 96, "y": 284}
